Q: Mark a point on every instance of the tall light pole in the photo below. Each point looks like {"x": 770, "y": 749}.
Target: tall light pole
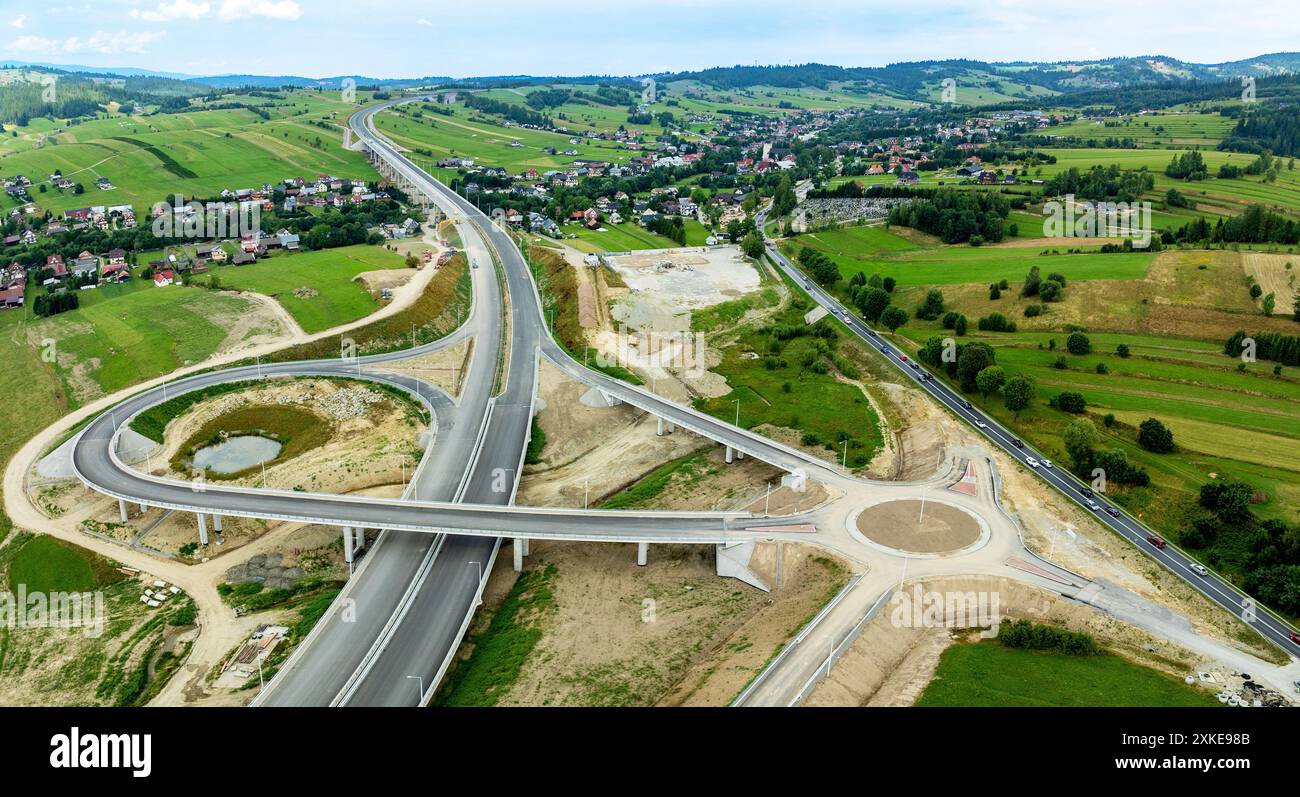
{"x": 737, "y": 412}
{"x": 419, "y": 678}
{"x": 767, "y": 502}
{"x": 584, "y": 494}
{"x": 844, "y": 463}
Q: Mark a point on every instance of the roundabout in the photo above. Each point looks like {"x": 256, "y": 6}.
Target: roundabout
{"x": 927, "y": 528}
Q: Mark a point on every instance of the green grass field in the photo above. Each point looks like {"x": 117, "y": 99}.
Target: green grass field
{"x": 331, "y": 273}
{"x": 150, "y": 158}
{"x": 988, "y": 674}
{"x": 617, "y": 238}
{"x": 876, "y": 250}
{"x": 785, "y": 389}
{"x": 467, "y": 134}
{"x": 1159, "y": 130}
{"x": 45, "y": 564}
{"x": 113, "y": 342}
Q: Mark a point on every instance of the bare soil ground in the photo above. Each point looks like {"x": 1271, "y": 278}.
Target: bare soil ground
{"x": 907, "y": 526}
{"x": 890, "y": 665}
{"x": 691, "y": 278}
{"x": 374, "y": 450}
{"x": 390, "y": 278}
{"x": 670, "y": 633}
{"x": 367, "y": 448}
{"x": 444, "y": 368}
{"x": 701, "y": 637}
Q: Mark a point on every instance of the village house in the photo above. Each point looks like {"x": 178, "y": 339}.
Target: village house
{"x": 119, "y": 272}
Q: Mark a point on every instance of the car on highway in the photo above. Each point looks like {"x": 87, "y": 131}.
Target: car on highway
{"x": 1093, "y": 505}
{"x": 1047, "y": 463}
{"x": 1296, "y": 639}
{"x": 967, "y": 405}
{"x": 1199, "y": 569}
{"x": 871, "y": 332}
{"x": 981, "y": 424}
{"x": 1159, "y": 542}
{"x": 1112, "y": 511}
{"x": 902, "y": 358}
{"x": 1016, "y": 442}
{"x": 1033, "y": 463}
{"x": 1085, "y": 492}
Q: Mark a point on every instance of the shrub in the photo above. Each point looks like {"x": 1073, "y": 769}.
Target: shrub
{"x": 1070, "y": 401}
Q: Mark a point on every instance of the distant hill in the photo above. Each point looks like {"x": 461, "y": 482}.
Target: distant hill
{"x": 914, "y": 80}
{"x": 276, "y": 81}
{"x": 917, "y": 79}
{"x": 126, "y": 71}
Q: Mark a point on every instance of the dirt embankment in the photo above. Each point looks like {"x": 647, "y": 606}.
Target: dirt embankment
{"x": 890, "y": 664}
{"x": 669, "y": 633}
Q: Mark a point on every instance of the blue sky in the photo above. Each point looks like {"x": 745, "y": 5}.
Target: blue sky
{"x": 399, "y": 38}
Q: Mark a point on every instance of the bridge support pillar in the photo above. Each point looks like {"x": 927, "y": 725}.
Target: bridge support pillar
{"x": 730, "y": 454}
{"x": 216, "y": 522}
{"x": 672, "y": 427}
{"x": 659, "y": 429}
{"x": 203, "y": 529}
{"x": 142, "y": 508}
{"x": 642, "y": 553}
{"x": 121, "y": 509}
{"x": 348, "y": 550}
{"x": 358, "y": 539}
{"x": 520, "y": 549}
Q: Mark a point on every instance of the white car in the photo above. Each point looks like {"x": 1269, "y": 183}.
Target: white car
{"x": 981, "y": 424}
{"x": 1047, "y": 463}
{"x": 1033, "y": 463}
{"x": 1199, "y": 570}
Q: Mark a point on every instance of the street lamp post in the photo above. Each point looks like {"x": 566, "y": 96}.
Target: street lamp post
{"x": 767, "y": 502}
{"x": 419, "y": 678}
{"x": 737, "y": 412}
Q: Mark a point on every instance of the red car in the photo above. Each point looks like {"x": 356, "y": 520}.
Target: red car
{"x": 1156, "y": 541}
{"x": 1295, "y": 637}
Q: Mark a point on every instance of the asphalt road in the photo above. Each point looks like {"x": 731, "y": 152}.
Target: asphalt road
{"x": 1109, "y": 514}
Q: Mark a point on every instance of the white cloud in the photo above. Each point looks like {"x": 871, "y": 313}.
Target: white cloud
{"x": 177, "y": 9}
{"x": 18, "y": 21}
{"x": 271, "y": 9}
{"x": 423, "y": 21}
{"x": 100, "y": 42}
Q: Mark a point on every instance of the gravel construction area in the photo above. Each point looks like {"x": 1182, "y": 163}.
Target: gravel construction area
{"x": 903, "y": 525}
{"x": 691, "y": 278}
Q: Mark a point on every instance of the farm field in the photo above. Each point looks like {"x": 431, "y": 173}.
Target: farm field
{"x": 332, "y": 295}
{"x": 488, "y": 143}
{"x": 150, "y": 158}
{"x": 1172, "y": 309}
{"x": 988, "y": 674}
{"x": 113, "y": 342}
{"x": 872, "y": 250}
{"x": 1154, "y": 130}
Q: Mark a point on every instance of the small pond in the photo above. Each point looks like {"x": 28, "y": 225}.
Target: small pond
{"x": 237, "y": 453}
